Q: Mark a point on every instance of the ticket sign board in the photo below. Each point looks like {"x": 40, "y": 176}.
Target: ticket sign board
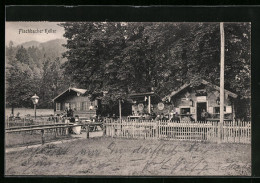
{"x": 201, "y": 98}
{"x": 140, "y": 107}
{"x": 160, "y": 106}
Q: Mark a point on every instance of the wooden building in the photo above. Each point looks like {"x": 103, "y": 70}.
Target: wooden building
{"x": 78, "y": 101}
{"x": 188, "y": 102}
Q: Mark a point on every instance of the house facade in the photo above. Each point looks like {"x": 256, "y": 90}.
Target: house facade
{"x": 75, "y": 99}
{"x": 189, "y": 102}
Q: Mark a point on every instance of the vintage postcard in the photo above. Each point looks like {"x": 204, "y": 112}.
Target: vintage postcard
{"x": 95, "y": 98}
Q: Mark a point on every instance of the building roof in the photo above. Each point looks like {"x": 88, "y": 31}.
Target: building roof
{"x": 81, "y": 91}
{"x": 173, "y": 93}
{"x": 133, "y": 95}
{"x": 78, "y": 90}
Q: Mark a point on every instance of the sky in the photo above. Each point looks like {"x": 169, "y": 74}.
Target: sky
{"x": 12, "y": 30}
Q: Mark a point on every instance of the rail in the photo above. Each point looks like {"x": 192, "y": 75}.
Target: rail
{"x": 62, "y": 127}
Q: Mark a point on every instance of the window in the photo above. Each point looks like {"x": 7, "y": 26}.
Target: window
{"x": 83, "y": 106}
{"x": 57, "y": 106}
{"x": 185, "y": 110}
{"x": 73, "y": 106}
{"x": 217, "y": 110}
{"x": 78, "y": 106}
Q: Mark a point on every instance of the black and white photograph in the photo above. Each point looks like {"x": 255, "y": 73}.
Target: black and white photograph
{"x": 115, "y": 98}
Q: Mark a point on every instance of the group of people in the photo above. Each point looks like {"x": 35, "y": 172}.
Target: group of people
{"x": 69, "y": 112}
{"x": 12, "y": 117}
{"x": 66, "y": 116}
{"x": 171, "y": 116}
{"x": 147, "y": 116}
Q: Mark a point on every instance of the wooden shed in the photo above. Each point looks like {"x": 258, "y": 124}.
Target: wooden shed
{"x": 78, "y": 101}
{"x": 189, "y": 101}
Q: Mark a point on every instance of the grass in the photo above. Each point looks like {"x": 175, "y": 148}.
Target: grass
{"x": 24, "y": 139}
{"x": 24, "y": 111}
{"x": 108, "y": 156}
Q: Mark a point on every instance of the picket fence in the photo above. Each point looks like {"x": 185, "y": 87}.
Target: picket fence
{"x": 232, "y": 131}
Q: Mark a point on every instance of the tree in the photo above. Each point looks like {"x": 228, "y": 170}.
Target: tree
{"x": 18, "y": 93}
{"x": 22, "y": 55}
{"x": 53, "y": 81}
{"x": 119, "y": 58}
{"x": 123, "y": 58}
{"x": 202, "y": 55}
{"x": 92, "y": 61}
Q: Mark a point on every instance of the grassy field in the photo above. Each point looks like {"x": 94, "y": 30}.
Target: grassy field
{"x": 24, "y": 139}
{"x": 24, "y": 111}
{"x": 108, "y": 156}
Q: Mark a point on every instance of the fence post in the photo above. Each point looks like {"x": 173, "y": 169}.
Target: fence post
{"x": 239, "y": 131}
{"x": 87, "y": 131}
{"x": 43, "y": 138}
{"x": 55, "y": 132}
{"x": 104, "y": 128}
{"x": 133, "y": 129}
{"x": 220, "y": 127}
{"x": 157, "y": 130}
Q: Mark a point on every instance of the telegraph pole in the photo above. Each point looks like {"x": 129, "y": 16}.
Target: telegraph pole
{"x": 222, "y": 68}
{"x": 120, "y": 110}
{"x": 149, "y": 104}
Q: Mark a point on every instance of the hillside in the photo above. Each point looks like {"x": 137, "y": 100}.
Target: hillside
{"x": 34, "y": 67}
{"x": 30, "y": 44}
{"x": 54, "y": 48}
{"x": 51, "y": 49}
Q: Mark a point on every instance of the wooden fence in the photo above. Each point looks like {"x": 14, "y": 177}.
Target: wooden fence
{"x": 232, "y": 132}
{"x": 21, "y": 122}
{"x": 21, "y": 135}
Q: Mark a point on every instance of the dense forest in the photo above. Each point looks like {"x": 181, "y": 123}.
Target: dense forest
{"x": 122, "y": 58}
{"x": 34, "y": 68}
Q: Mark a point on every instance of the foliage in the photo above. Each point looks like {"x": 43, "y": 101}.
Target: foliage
{"x": 123, "y": 58}
{"x": 133, "y": 57}
{"x": 32, "y": 70}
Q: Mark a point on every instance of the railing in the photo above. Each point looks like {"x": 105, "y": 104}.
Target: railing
{"x": 35, "y": 134}
{"x": 28, "y": 121}
{"x": 21, "y": 135}
{"x": 232, "y": 132}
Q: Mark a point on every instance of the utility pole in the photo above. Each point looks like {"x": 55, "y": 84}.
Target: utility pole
{"x": 120, "y": 110}
{"x": 149, "y": 104}
{"x": 222, "y": 68}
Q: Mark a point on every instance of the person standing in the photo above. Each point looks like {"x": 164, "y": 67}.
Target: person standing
{"x": 66, "y": 112}
{"x": 71, "y": 113}
{"x": 204, "y": 115}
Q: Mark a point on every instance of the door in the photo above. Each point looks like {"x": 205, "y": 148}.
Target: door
{"x": 200, "y": 107}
